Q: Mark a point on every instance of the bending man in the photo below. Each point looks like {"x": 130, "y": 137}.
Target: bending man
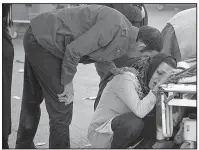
{"x": 54, "y": 44}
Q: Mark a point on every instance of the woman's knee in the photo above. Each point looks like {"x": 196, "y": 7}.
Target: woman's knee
{"x": 135, "y": 124}
{"x": 128, "y": 121}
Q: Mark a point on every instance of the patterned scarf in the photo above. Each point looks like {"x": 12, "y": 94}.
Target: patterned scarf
{"x": 144, "y": 67}
{"x": 140, "y": 69}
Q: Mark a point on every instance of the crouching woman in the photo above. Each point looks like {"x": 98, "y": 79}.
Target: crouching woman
{"x": 119, "y": 117}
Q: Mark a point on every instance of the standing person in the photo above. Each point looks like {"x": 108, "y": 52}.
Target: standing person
{"x": 121, "y": 115}
{"x": 54, "y": 44}
{"x": 179, "y": 35}
{"x": 7, "y": 56}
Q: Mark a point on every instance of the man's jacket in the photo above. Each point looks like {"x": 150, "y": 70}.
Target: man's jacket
{"x": 99, "y": 32}
{"x": 133, "y": 13}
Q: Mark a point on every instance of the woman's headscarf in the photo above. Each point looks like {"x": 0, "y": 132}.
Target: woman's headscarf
{"x": 146, "y": 66}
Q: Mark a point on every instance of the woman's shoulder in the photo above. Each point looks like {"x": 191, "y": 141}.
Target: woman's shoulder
{"x": 125, "y": 76}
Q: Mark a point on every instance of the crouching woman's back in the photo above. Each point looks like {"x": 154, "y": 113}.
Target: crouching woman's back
{"x": 100, "y": 133}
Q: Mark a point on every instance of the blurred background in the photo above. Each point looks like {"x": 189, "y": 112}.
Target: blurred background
{"x": 22, "y": 13}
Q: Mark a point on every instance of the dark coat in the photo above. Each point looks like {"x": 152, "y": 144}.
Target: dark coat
{"x": 132, "y": 12}
{"x": 100, "y": 32}
{"x": 7, "y": 65}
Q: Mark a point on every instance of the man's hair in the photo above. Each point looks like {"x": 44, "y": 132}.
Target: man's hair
{"x": 151, "y": 37}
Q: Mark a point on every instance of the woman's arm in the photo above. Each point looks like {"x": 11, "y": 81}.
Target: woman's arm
{"x": 125, "y": 88}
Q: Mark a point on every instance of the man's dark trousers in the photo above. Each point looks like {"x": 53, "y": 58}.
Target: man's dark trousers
{"x": 7, "y": 59}
{"x": 42, "y": 79}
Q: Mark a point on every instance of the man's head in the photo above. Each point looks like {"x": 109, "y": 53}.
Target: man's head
{"x": 149, "y": 41}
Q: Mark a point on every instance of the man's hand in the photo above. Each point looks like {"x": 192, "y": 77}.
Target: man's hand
{"x": 68, "y": 95}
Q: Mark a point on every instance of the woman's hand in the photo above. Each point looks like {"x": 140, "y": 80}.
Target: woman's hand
{"x": 176, "y": 71}
{"x": 68, "y": 95}
{"x": 159, "y": 83}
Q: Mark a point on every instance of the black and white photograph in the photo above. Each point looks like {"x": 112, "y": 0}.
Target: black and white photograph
{"x": 99, "y": 75}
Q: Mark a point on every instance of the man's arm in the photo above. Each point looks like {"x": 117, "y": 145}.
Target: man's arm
{"x": 99, "y": 36}
{"x": 125, "y": 88}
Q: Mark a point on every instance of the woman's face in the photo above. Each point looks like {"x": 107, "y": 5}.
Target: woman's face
{"x": 161, "y": 73}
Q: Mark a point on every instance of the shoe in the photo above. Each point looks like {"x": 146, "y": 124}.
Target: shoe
{"x": 32, "y": 146}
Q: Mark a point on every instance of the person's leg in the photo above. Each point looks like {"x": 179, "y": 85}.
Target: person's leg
{"x": 7, "y": 60}
{"x": 30, "y": 108}
{"x": 149, "y": 132}
{"x": 5, "y": 143}
{"x": 47, "y": 68}
{"x": 60, "y": 115}
{"x": 127, "y": 128}
{"x": 60, "y": 119}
